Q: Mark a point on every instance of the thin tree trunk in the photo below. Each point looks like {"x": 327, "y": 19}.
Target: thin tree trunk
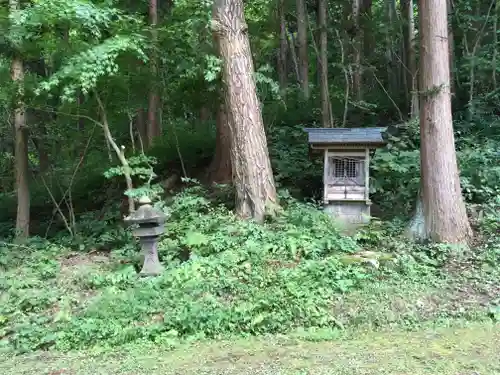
{"x": 303, "y": 55}
{"x": 346, "y": 78}
{"x": 326, "y": 107}
{"x": 119, "y": 151}
{"x": 357, "y": 46}
{"x": 142, "y": 129}
{"x": 252, "y": 173}
{"x": 410, "y": 57}
{"x": 495, "y": 46}
{"x": 389, "y": 51}
{"x": 443, "y": 205}
{"x": 282, "y": 56}
{"x": 154, "y": 129}
{"x": 368, "y": 35}
{"x": 293, "y": 53}
{"x": 367, "y": 45}
{"x": 220, "y": 170}
{"x": 316, "y": 36}
{"x": 416, "y": 228}
{"x": 21, "y": 145}
{"x": 471, "y": 54}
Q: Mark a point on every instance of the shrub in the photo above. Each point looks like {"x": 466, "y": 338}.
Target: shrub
{"x": 223, "y": 276}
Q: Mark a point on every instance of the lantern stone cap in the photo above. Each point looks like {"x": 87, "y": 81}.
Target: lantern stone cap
{"x": 146, "y": 214}
{"x": 144, "y": 200}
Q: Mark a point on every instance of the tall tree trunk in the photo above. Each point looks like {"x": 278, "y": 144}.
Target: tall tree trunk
{"x": 367, "y": 25}
{"x": 252, "y": 173}
{"x": 303, "y": 55}
{"x": 392, "y": 76}
{"x": 293, "y": 54}
{"x": 326, "y": 107}
{"x": 21, "y": 145}
{"x": 282, "y": 56}
{"x": 495, "y": 46}
{"x": 367, "y": 45}
{"x": 416, "y": 229}
{"x": 451, "y": 44}
{"x": 410, "y": 56}
{"x": 154, "y": 129}
{"x": 443, "y": 205}
{"x": 357, "y": 47}
{"x": 220, "y": 170}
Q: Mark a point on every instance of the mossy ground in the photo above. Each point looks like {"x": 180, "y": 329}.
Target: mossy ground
{"x": 460, "y": 349}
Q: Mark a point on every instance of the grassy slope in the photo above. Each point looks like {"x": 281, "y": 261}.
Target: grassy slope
{"x": 467, "y": 350}
{"x": 406, "y": 300}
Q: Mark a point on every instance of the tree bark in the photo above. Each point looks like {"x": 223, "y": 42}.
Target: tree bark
{"x": 154, "y": 129}
{"x": 367, "y": 25}
{"x": 443, "y": 205}
{"x": 293, "y": 54}
{"x": 357, "y": 43}
{"x": 21, "y": 145}
{"x": 282, "y": 56}
{"x": 410, "y": 56}
{"x": 416, "y": 229}
{"x": 451, "y": 44}
{"x": 326, "y": 107}
{"x": 495, "y": 46}
{"x": 392, "y": 76}
{"x": 220, "y": 170}
{"x": 252, "y": 173}
{"x": 303, "y": 55}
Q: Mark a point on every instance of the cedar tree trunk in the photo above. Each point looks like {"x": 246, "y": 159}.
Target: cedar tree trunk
{"x": 326, "y": 108}
{"x": 443, "y": 206}
{"x": 153, "y": 124}
{"x": 410, "y": 56}
{"x": 282, "y": 56}
{"x": 303, "y": 56}
{"x": 252, "y": 173}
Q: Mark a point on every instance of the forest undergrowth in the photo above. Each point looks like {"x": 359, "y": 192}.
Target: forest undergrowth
{"x": 227, "y": 277}
{"x": 107, "y": 102}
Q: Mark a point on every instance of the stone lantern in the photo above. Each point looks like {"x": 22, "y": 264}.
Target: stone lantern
{"x": 150, "y": 226}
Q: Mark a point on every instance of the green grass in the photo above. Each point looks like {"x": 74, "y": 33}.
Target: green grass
{"x": 461, "y": 349}
{"x": 52, "y": 299}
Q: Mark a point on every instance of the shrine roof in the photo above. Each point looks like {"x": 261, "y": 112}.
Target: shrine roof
{"x": 369, "y": 136}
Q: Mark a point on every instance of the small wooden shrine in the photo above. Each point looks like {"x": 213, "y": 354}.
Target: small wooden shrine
{"x": 346, "y": 178}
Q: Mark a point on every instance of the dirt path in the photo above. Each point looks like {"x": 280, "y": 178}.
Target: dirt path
{"x": 470, "y": 350}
